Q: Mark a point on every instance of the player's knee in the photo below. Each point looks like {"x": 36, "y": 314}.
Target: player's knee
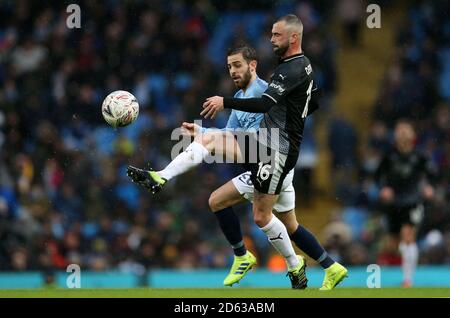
{"x": 261, "y": 217}
{"x": 212, "y": 201}
{"x": 215, "y": 202}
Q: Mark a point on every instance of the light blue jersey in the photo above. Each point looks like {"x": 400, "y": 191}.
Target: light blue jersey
{"x": 245, "y": 121}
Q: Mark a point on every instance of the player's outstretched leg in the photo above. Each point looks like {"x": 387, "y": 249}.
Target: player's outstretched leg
{"x": 241, "y": 265}
{"x": 147, "y": 178}
{"x": 333, "y": 276}
{"x": 298, "y": 275}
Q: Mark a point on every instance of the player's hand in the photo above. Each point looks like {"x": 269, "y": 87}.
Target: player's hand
{"x": 190, "y": 129}
{"x": 212, "y": 106}
{"x": 387, "y": 195}
{"x": 428, "y": 192}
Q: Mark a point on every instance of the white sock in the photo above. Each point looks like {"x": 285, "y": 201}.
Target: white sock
{"x": 279, "y": 238}
{"x": 185, "y": 161}
{"x": 410, "y": 258}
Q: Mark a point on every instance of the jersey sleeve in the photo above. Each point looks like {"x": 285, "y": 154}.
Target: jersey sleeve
{"x": 314, "y": 102}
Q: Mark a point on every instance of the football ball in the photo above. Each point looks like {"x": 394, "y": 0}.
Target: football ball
{"x": 120, "y": 108}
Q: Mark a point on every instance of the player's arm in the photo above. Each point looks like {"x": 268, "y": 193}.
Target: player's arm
{"x": 264, "y": 103}
{"x": 250, "y": 105}
{"x": 431, "y": 175}
{"x": 380, "y": 172}
{"x": 386, "y": 194}
{"x": 216, "y": 104}
{"x": 314, "y": 101}
{"x": 430, "y": 169}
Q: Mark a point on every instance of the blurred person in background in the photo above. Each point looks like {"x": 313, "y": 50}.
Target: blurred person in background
{"x": 350, "y": 12}
{"x": 404, "y": 177}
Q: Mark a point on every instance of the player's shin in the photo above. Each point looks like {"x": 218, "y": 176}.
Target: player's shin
{"x": 308, "y": 243}
{"x": 410, "y": 256}
{"x": 231, "y": 228}
{"x": 279, "y": 238}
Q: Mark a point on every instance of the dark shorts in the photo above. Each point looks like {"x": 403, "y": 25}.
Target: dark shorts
{"x": 268, "y": 167}
{"x": 398, "y": 216}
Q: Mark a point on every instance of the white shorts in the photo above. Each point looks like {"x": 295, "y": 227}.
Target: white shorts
{"x": 286, "y": 199}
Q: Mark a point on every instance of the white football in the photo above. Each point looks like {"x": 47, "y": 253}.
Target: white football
{"x": 120, "y": 108}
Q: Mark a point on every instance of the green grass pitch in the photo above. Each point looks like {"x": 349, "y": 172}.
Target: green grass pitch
{"x": 228, "y": 293}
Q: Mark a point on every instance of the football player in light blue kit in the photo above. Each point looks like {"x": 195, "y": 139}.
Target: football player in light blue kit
{"x": 242, "y": 68}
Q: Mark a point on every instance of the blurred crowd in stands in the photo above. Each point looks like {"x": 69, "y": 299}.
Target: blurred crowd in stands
{"x": 64, "y": 194}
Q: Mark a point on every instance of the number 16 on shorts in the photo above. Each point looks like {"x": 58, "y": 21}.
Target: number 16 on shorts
{"x": 263, "y": 171}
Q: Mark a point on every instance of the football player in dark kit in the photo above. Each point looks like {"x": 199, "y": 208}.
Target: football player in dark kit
{"x": 288, "y": 100}
{"x": 403, "y": 177}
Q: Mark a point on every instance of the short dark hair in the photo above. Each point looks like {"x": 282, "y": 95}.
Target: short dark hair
{"x": 248, "y": 53}
{"x": 293, "y": 21}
